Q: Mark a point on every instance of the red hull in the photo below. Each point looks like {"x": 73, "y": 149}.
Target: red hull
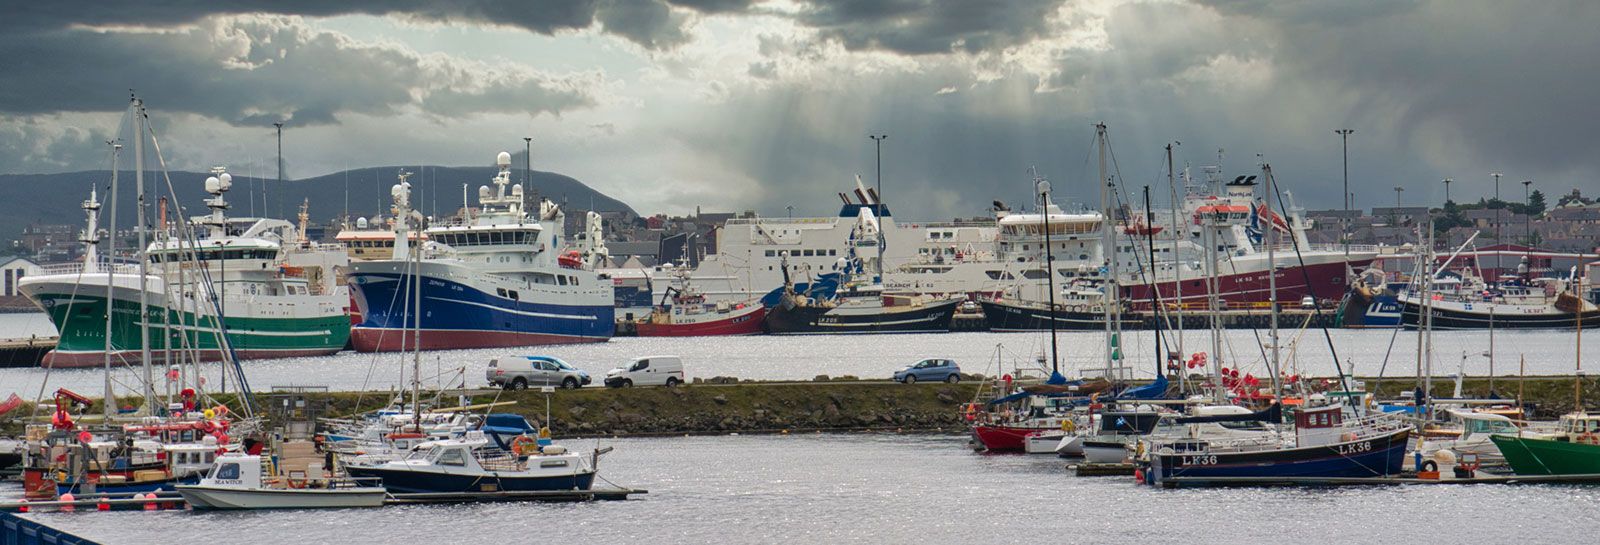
{"x": 744, "y": 324}
{"x": 79, "y": 360}
{"x": 397, "y": 340}
{"x": 1003, "y": 438}
{"x": 1328, "y": 282}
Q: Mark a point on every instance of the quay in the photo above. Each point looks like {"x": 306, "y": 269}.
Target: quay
{"x": 26, "y": 352}
{"x": 1218, "y": 482}
{"x": 19, "y": 530}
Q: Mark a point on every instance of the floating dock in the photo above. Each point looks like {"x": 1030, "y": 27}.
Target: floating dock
{"x": 1215, "y": 482}
{"x": 598, "y": 494}
{"x": 1103, "y": 470}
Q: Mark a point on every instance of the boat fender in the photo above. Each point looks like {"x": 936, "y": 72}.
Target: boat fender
{"x": 1589, "y": 439}
{"x": 1347, "y": 437}
{"x": 1068, "y": 426}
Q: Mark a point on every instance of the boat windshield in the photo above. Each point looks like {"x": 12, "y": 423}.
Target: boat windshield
{"x": 1489, "y": 426}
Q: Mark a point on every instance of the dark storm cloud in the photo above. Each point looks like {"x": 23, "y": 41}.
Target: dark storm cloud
{"x": 920, "y": 27}
{"x": 259, "y": 69}
{"x": 645, "y": 22}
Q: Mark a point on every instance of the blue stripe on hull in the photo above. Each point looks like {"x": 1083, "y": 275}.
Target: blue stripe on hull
{"x": 410, "y": 482}
{"x": 448, "y": 305}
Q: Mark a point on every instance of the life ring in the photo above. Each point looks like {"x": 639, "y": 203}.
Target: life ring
{"x": 524, "y": 445}
{"x": 1430, "y": 466}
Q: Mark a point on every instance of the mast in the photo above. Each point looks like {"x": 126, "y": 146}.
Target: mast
{"x": 1212, "y": 306}
{"x": 111, "y": 268}
{"x": 1177, "y": 260}
{"x": 143, "y": 254}
{"x": 1043, "y": 188}
{"x": 1155, "y": 295}
{"x": 1108, "y": 246}
{"x": 1272, "y": 276}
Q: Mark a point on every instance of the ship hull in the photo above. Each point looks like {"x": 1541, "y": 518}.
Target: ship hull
{"x": 470, "y": 313}
{"x": 1379, "y": 456}
{"x": 1452, "y": 318}
{"x": 306, "y": 326}
{"x": 745, "y": 322}
{"x": 1539, "y": 456}
{"x": 1003, "y": 316}
{"x": 1323, "y": 281}
{"x": 810, "y": 320}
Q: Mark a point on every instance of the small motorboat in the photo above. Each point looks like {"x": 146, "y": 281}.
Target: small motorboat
{"x": 236, "y": 482}
{"x": 471, "y": 465}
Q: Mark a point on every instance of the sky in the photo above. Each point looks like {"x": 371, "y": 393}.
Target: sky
{"x": 730, "y": 105}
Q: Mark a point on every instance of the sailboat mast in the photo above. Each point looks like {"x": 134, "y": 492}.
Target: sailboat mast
{"x": 1272, "y": 276}
{"x": 1177, "y": 259}
{"x": 1108, "y": 247}
{"x": 1155, "y": 295}
{"x": 1213, "y": 306}
{"x": 111, "y": 268}
{"x": 144, "y": 261}
{"x": 1043, "y": 188}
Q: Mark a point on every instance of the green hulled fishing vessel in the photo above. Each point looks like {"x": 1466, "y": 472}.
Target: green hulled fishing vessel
{"x": 1574, "y": 449}
{"x": 275, "y": 292}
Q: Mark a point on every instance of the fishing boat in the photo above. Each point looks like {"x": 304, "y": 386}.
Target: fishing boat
{"x": 1324, "y": 444}
{"x": 468, "y": 464}
{"x": 274, "y": 290}
{"x": 498, "y": 277}
{"x": 1572, "y": 449}
{"x": 686, "y": 313}
{"x": 859, "y": 305}
{"x": 236, "y": 482}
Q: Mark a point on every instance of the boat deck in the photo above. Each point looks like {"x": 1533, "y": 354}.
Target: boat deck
{"x": 598, "y": 494}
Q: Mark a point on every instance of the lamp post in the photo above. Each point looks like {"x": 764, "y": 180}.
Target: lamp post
{"x": 1397, "y": 190}
{"x": 1447, "y": 189}
{"x": 1527, "y": 216}
{"x": 1344, "y": 140}
{"x": 279, "y": 125}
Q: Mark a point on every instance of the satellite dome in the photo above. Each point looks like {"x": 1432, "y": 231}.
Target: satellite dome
{"x": 361, "y": 223}
{"x": 225, "y": 181}
{"x": 1043, "y": 187}
{"x": 212, "y": 184}
{"x": 504, "y": 159}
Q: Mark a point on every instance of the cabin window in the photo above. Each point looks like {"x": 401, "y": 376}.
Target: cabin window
{"x": 806, "y": 253}
{"x": 772, "y": 253}
{"x": 227, "y": 471}
{"x": 553, "y": 463}
{"x": 833, "y": 252}
{"x": 562, "y": 280}
{"x": 452, "y": 457}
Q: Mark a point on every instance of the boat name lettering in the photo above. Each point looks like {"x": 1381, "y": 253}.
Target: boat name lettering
{"x": 1204, "y": 460}
{"x": 1354, "y": 448}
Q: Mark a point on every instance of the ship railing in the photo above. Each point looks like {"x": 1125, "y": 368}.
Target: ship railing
{"x": 77, "y": 267}
{"x": 780, "y": 221}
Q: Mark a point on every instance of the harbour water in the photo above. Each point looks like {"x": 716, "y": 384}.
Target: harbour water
{"x": 856, "y": 488}
{"x": 803, "y": 357}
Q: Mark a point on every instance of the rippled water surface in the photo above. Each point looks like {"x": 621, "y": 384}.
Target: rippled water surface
{"x": 803, "y": 357}
{"x": 896, "y": 489}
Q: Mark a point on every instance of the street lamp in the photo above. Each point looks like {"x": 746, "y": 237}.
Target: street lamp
{"x": 1397, "y": 190}
{"x": 1344, "y": 139}
{"x": 279, "y": 125}
{"x": 1527, "y": 215}
{"x": 1447, "y": 189}
{"x": 877, "y": 140}
{"x": 1497, "y": 239}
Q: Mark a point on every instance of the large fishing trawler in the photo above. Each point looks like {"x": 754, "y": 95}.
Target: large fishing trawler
{"x": 496, "y": 278}
{"x": 273, "y": 289}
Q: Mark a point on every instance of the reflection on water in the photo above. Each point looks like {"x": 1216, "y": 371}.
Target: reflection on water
{"x": 895, "y": 489}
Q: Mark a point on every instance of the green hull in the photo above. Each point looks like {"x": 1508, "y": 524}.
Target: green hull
{"x": 1534, "y": 456}
{"x": 81, "y": 321}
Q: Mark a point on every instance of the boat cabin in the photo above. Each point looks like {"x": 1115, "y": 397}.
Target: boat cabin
{"x": 1319, "y": 425}
{"x": 1579, "y": 423}
{"x": 241, "y": 470}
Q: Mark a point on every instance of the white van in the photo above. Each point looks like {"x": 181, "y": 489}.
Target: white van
{"x": 647, "y": 371}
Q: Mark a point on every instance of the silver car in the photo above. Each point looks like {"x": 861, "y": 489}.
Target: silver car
{"x": 521, "y": 372}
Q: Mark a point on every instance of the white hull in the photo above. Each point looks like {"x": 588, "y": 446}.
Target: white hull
{"x": 223, "y": 497}
{"x": 1043, "y": 443}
